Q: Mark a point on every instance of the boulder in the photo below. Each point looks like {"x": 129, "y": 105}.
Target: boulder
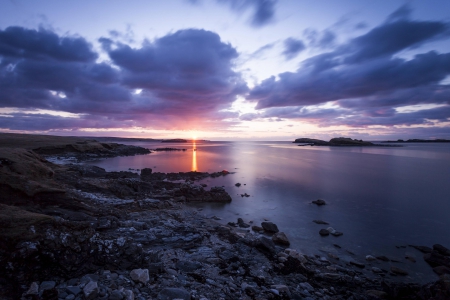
{"x": 441, "y": 270}
{"x": 257, "y": 228}
{"x": 280, "y": 238}
{"x": 319, "y": 202}
{"x": 265, "y": 244}
{"x": 140, "y": 275}
{"x": 269, "y": 227}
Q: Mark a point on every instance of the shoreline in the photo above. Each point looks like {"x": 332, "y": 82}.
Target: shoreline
{"x": 141, "y": 222}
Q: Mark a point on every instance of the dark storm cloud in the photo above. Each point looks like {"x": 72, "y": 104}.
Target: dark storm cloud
{"x": 292, "y": 47}
{"x": 187, "y": 74}
{"x": 366, "y": 74}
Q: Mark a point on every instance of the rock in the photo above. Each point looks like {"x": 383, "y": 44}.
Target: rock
{"x": 280, "y": 238}
{"x": 319, "y": 202}
{"x": 173, "y": 293}
{"x": 436, "y": 259}
{"x": 129, "y": 295}
{"x": 423, "y": 249}
{"x": 116, "y": 295}
{"x": 377, "y": 270}
{"x": 269, "y": 227}
{"x": 320, "y": 222}
{"x": 370, "y": 258}
{"x": 140, "y": 275}
{"x": 410, "y": 257}
{"x": 398, "y": 271}
{"x": 34, "y": 289}
{"x": 188, "y": 266}
{"x": 90, "y": 290}
{"x": 383, "y": 258}
{"x": 46, "y": 285}
{"x": 146, "y": 172}
{"x": 324, "y": 232}
{"x": 74, "y": 290}
{"x": 376, "y": 294}
{"x": 441, "y": 270}
{"x": 441, "y": 249}
{"x": 257, "y": 228}
{"x": 238, "y": 184}
{"x": 337, "y": 233}
{"x": 265, "y": 244}
{"x": 281, "y": 289}
{"x": 357, "y": 264}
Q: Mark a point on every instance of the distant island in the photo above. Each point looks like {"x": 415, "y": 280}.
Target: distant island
{"x": 419, "y": 141}
{"x": 340, "y": 141}
{"x": 183, "y": 141}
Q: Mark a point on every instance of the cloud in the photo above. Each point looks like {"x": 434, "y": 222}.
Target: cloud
{"x": 186, "y": 78}
{"x": 322, "y": 40}
{"x": 263, "y": 10}
{"x": 42, "y": 44}
{"x": 292, "y": 47}
{"x": 365, "y": 78}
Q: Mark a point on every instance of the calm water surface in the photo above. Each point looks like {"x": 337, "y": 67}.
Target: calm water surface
{"x": 378, "y": 197}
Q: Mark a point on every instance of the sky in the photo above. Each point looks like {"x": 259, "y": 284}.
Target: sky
{"x": 226, "y": 69}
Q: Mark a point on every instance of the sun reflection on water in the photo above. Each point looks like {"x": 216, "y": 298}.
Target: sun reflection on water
{"x": 194, "y": 156}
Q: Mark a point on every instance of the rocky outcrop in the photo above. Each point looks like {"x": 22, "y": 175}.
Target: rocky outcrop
{"x": 341, "y": 141}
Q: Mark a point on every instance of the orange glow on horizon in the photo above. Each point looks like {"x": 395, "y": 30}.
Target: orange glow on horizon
{"x": 194, "y": 157}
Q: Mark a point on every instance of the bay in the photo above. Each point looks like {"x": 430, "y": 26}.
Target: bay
{"x": 382, "y": 198}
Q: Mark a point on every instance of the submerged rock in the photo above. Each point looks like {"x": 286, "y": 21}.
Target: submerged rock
{"x": 319, "y": 202}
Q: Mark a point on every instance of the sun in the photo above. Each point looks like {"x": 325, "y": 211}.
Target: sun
{"x": 194, "y": 137}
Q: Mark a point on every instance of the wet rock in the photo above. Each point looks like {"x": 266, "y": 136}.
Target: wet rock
{"x": 269, "y": 227}
{"x": 173, "y": 293}
{"x": 282, "y": 289}
{"x": 140, "y": 275}
{"x": 90, "y": 290}
{"x": 370, "y": 258}
{"x": 324, "y": 232}
{"x": 280, "y": 238}
{"x": 238, "y": 184}
{"x": 398, "y": 271}
{"x": 383, "y": 258}
{"x": 441, "y": 249}
{"x": 319, "y": 202}
{"x": 320, "y": 222}
{"x": 337, "y": 233}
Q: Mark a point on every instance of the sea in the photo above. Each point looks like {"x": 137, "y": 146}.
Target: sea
{"x": 382, "y": 199}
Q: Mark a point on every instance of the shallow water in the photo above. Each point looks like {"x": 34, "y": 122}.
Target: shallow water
{"x": 378, "y": 197}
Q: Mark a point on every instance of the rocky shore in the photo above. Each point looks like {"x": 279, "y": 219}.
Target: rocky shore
{"x": 78, "y": 232}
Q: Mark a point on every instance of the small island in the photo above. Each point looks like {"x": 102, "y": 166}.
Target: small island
{"x": 418, "y": 141}
{"x": 340, "y": 141}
